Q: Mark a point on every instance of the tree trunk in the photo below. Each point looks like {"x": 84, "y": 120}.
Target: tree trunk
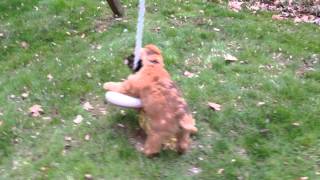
{"x": 116, "y": 7}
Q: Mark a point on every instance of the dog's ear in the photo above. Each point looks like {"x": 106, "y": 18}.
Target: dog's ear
{"x": 153, "y": 49}
{"x": 152, "y": 55}
{"x": 129, "y": 61}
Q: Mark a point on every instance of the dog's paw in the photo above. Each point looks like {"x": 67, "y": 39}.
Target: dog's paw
{"x": 150, "y": 154}
{"x": 109, "y": 86}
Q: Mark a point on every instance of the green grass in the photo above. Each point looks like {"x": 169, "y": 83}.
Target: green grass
{"x": 246, "y": 140}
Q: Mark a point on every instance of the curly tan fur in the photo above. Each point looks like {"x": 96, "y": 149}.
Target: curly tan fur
{"x": 162, "y": 102}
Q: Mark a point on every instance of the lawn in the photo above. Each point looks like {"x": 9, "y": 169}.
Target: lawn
{"x": 57, "y": 53}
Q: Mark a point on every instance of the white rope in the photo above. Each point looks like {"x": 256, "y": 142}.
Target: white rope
{"x": 139, "y": 33}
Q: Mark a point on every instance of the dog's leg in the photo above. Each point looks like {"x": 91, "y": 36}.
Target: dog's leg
{"x": 152, "y": 145}
{"x": 114, "y": 86}
{"x": 129, "y": 86}
{"x": 183, "y": 141}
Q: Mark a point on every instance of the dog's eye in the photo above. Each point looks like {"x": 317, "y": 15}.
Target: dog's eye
{"x": 154, "y": 61}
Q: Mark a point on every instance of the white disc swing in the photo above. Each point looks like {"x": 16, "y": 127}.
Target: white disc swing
{"x": 122, "y": 99}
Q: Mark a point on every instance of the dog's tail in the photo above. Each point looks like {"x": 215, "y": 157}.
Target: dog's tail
{"x": 188, "y": 124}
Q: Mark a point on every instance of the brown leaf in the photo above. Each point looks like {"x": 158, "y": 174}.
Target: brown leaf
{"x": 24, "y": 45}
{"x": 261, "y": 103}
{"x": 87, "y": 137}
{"x": 50, "y": 77}
{"x": 296, "y": 124}
{"x": 88, "y": 177}
{"x": 297, "y": 20}
{"x": 89, "y": 75}
{"x": 304, "y": 178}
{"x": 44, "y": 168}
{"x": 220, "y": 171}
{"x": 189, "y": 74}
{"x": 103, "y": 111}
{"x": 121, "y": 125}
{"x": 229, "y": 57}
{"x": 87, "y": 106}
{"x": 1, "y": 122}
{"x": 214, "y": 106}
{"x": 83, "y": 35}
{"x": 216, "y": 29}
{"x": 24, "y": 95}
{"x": 36, "y": 110}
{"x": 195, "y": 170}
{"x": 68, "y": 138}
{"x": 78, "y": 119}
{"x": 277, "y": 17}
{"x": 235, "y": 6}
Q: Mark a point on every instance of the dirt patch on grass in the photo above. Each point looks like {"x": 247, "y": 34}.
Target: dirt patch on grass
{"x": 308, "y": 65}
{"x": 97, "y": 107}
{"x": 102, "y": 25}
{"x": 135, "y": 135}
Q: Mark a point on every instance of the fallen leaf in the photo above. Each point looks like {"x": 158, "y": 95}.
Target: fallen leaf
{"x": 317, "y": 21}
{"x": 214, "y": 106}
{"x": 1, "y": 122}
{"x": 98, "y": 47}
{"x": 264, "y": 130}
{"x": 68, "y": 138}
{"x": 24, "y": 95}
{"x": 36, "y": 110}
{"x": 229, "y": 57}
{"x": 296, "y": 124}
{"x": 305, "y": 18}
{"x": 24, "y": 45}
{"x": 216, "y": 29}
{"x": 50, "y": 77}
{"x": 87, "y": 137}
{"x": 44, "y": 168}
{"x": 83, "y": 35}
{"x": 189, "y": 74}
{"x": 123, "y": 112}
{"x": 1, "y": 34}
{"x": 220, "y": 171}
{"x": 235, "y": 5}
{"x": 89, "y": 75}
{"x": 121, "y": 125}
{"x": 87, "y": 106}
{"x": 261, "y": 103}
{"x": 102, "y": 111}
{"x": 88, "y": 176}
{"x": 304, "y": 178}
{"x": 78, "y": 119}
{"x": 277, "y": 17}
{"x": 195, "y": 170}
{"x": 139, "y": 146}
